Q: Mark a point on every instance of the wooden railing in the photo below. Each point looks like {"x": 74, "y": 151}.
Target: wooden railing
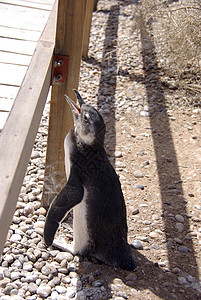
{"x": 68, "y": 25}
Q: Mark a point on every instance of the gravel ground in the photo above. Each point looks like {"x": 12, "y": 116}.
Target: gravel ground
{"x": 153, "y": 141}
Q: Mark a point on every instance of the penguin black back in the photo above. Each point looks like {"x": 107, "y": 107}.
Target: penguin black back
{"x": 94, "y": 192}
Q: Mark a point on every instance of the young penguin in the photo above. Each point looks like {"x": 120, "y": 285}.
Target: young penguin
{"x": 93, "y": 191}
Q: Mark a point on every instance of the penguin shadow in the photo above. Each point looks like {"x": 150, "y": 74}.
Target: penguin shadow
{"x": 147, "y": 277}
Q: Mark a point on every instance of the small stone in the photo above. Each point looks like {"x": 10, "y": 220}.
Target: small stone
{"x": 197, "y": 206}
{"x": 178, "y": 241}
{"x": 190, "y": 278}
{"x": 117, "y": 154}
{"x": 183, "y": 249}
{"x": 139, "y": 186}
{"x": 28, "y": 266}
{"x": 7, "y": 290}
{"x": 113, "y": 287}
{"x": 39, "y": 231}
{"x": 138, "y": 174}
{"x": 119, "y": 164}
{"x": 71, "y": 292}
{"x": 182, "y": 280}
{"x": 60, "y": 289}
{"x": 15, "y": 275}
{"x": 131, "y": 277}
{"x": 9, "y": 258}
{"x": 42, "y": 211}
{"x": 176, "y": 270}
{"x": 135, "y": 211}
{"x": 98, "y": 283}
{"x": 146, "y": 222}
{"x": 144, "y": 113}
{"x": 15, "y": 238}
{"x": 35, "y": 154}
{"x": 137, "y": 244}
{"x": 122, "y": 294}
{"x": 179, "y": 218}
{"x": 32, "y": 288}
{"x": 48, "y": 269}
{"x": 155, "y": 246}
{"x": 162, "y": 264}
{"x": 28, "y": 210}
{"x": 39, "y": 224}
{"x": 31, "y": 256}
{"x": 153, "y": 234}
{"x": 91, "y": 279}
{"x": 191, "y": 194}
{"x": 64, "y": 255}
{"x": 44, "y": 290}
{"x": 155, "y": 217}
{"x": 45, "y": 255}
{"x": 179, "y": 227}
{"x": 37, "y": 253}
{"x": 142, "y": 238}
{"x": 169, "y": 245}
{"x": 4, "y": 282}
{"x": 143, "y": 205}
{"x": 81, "y": 295}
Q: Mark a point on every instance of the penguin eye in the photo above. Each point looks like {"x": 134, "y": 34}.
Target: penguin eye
{"x": 86, "y": 117}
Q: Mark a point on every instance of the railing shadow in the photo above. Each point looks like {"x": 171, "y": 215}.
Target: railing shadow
{"x": 107, "y": 84}
{"x": 166, "y": 159}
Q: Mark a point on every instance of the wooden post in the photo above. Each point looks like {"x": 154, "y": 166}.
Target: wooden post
{"x": 87, "y": 27}
{"x": 18, "y": 135}
{"x": 69, "y": 39}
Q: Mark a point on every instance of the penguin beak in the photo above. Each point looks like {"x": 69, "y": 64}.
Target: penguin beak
{"x": 75, "y": 108}
{"x": 79, "y": 98}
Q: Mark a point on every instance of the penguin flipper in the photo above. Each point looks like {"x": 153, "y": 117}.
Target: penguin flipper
{"x": 69, "y": 196}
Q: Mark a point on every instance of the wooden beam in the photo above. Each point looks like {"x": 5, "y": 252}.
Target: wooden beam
{"x": 18, "y": 135}
{"x": 69, "y": 38}
{"x": 87, "y": 27}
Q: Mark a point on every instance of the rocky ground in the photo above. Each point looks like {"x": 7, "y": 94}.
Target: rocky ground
{"x": 154, "y": 142}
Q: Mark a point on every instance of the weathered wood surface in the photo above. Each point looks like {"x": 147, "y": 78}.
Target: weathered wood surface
{"x": 87, "y": 27}
{"x": 18, "y": 135}
{"x": 69, "y": 40}
{"x": 21, "y": 24}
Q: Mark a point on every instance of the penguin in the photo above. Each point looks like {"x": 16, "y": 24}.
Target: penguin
{"x": 94, "y": 192}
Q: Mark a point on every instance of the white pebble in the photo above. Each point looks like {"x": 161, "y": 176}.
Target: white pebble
{"x": 64, "y": 255}
{"x": 60, "y": 289}
{"x": 44, "y": 290}
{"x": 15, "y": 238}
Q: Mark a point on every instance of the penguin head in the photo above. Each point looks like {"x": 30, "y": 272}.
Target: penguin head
{"x": 89, "y": 124}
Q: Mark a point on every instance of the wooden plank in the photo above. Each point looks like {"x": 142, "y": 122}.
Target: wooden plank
{"x": 32, "y": 4}
{"x": 69, "y": 38}
{"x": 14, "y": 58}
{"x": 3, "y": 118}
{"x": 87, "y": 27}
{"x": 17, "y": 46}
{"x": 12, "y": 74}
{"x": 22, "y": 17}
{"x": 8, "y": 92}
{"x": 18, "y": 134}
{"x": 5, "y": 105}
{"x": 20, "y": 34}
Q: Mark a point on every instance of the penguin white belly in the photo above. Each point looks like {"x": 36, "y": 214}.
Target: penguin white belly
{"x": 80, "y": 231}
{"x": 67, "y": 156}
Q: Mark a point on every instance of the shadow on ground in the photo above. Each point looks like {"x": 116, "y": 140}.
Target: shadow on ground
{"x": 149, "y": 276}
